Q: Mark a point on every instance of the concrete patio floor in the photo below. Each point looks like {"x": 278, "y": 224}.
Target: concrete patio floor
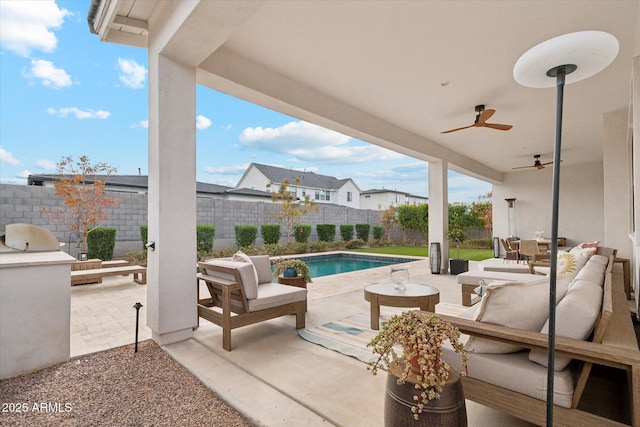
{"x": 272, "y": 376}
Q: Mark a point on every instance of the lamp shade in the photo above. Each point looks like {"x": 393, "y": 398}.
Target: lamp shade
{"x": 590, "y": 51}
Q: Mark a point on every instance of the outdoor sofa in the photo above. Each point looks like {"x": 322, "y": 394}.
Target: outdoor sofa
{"x": 241, "y": 293}
{"x": 508, "y": 341}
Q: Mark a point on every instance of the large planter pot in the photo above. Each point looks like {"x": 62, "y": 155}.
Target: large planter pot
{"x": 457, "y": 266}
{"x": 289, "y": 272}
{"x": 448, "y": 411}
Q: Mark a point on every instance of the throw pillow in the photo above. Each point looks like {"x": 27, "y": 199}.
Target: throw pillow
{"x": 590, "y": 245}
{"x": 242, "y": 257}
{"x": 576, "y": 315}
{"x": 516, "y": 305}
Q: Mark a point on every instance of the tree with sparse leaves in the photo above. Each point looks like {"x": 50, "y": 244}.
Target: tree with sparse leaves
{"x": 484, "y": 209}
{"x": 388, "y": 218}
{"x": 291, "y": 207}
{"x": 84, "y": 195}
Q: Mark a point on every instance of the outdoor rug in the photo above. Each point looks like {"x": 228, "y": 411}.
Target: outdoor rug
{"x": 350, "y": 335}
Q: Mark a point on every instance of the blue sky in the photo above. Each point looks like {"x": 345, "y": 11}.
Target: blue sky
{"x": 65, "y": 93}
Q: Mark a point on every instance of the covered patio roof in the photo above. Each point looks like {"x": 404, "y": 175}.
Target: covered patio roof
{"x": 396, "y": 74}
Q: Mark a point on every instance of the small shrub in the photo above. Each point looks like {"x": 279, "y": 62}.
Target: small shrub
{"x": 326, "y": 232}
{"x": 270, "y": 233}
{"x": 246, "y": 235}
{"x": 355, "y": 244}
{"x": 139, "y": 258}
{"x": 377, "y": 232}
{"x": 362, "y": 231}
{"x": 320, "y": 246}
{"x": 100, "y": 243}
{"x": 346, "y": 232}
{"x": 302, "y": 232}
{"x": 204, "y": 237}
{"x": 144, "y": 232}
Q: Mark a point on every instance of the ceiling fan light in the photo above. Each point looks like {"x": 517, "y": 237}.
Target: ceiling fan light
{"x": 590, "y": 51}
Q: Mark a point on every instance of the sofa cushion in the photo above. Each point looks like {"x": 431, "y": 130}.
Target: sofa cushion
{"x": 274, "y": 294}
{"x": 242, "y": 257}
{"x": 520, "y": 305}
{"x": 263, "y": 267}
{"x": 246, "y": 271}
{"x": 576, "y": 315}
{"x": 593, "y": 272}
{"x": 515, "y": 372}
{"x": 473, "y": 277}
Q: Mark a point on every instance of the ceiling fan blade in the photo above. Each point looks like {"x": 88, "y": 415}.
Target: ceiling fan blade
{"x": 457, "y": 129}
{"x": 485, "y": 115}
{"x": 524, "y": 167}
{"x": 498, "y": 126}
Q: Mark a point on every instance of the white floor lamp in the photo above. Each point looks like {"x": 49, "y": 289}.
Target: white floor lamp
{"x": 568, "y": 58}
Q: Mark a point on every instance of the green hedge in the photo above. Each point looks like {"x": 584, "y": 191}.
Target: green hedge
{"x": 301, "y": 232}
{"x": 205, "y": 234}
{"x": 270, "y": 233}
{"x": 346, "y": 232}
{"x": 377, "y": 232}
{"x": 246, "y": 235}
{"x": 362, "y": 231}
{"x": 326, "y": 232}
{"x": 144, "y": 233}
{"x": 100, "y": 243}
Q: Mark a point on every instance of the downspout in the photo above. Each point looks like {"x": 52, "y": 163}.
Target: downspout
{"x": 91, "y": 16}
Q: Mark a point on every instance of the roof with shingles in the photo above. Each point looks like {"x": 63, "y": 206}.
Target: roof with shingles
{"x": 142, "y": 182}
{"x": 307, "y": 179}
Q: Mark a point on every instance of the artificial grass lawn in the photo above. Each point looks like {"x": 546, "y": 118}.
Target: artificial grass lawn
{"x": 470, "y": 254}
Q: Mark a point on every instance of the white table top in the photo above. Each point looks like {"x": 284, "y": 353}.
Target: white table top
{"x": 412, "y": 290}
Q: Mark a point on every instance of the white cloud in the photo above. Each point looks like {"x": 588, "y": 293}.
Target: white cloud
{"x": 226, "y": 170}
{"x": 309, "y": 142}
{"x": 78, "y": 113}
{"x": 202, "y": 122}
{"x": 291, "y": 136}
{"x": 7, "y": 157}
{"x": 13, "y": 181}
{"x": 132, "y": 74}
{"x": 141, "y": 124}
{"x": 28, "y": 25}
{"x": 46, "y": 164}
{"x": 24, "y": 174}
{"x": 48, "y": 74}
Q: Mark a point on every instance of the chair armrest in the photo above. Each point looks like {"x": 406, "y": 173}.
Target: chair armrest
{"x": 588, "y": 351}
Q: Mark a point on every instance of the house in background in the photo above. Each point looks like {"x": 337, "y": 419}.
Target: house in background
{"x": 139, "y": 184}
{"x": 381, "y": 199}
{"x": 319, "y": 188}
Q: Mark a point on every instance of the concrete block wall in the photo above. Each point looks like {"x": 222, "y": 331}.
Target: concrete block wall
{"x": 26, "y": 204}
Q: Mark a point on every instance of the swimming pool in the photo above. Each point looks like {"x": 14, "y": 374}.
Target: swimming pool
{"x": 326, "y": 265}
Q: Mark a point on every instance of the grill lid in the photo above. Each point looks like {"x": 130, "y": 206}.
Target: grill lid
{"x": 28, "y": 238}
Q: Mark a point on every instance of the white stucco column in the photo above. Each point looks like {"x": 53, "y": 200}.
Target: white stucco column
{"x": 439, "y": 209}
{"x": 171, "y": 289}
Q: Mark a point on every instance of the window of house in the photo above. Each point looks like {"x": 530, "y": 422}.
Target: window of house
{"x": 349, "y": 196}
{"x": 327, "y": 196}
{"x": 317, "y": 195}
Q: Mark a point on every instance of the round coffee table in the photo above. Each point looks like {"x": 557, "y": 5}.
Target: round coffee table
{"x": 423, "y": 296}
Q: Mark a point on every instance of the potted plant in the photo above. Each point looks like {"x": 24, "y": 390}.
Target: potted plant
{"x": 457, "y": 265}
{"x": 409, "y": 346}
{"x": 298, "y": 266}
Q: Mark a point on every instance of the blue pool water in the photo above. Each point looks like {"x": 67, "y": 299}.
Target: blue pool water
{"x": 326, "y": 265}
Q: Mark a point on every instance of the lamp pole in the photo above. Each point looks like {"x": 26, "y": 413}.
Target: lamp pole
{"x": 559, "y": 73}
{"x": 589, "y": 52}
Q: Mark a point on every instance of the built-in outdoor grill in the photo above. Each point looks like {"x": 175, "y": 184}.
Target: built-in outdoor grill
{"x": 35, "y": 300}
{"x": 27, "y": 238}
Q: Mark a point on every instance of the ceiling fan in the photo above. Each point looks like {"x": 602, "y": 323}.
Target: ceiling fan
{"x": 481, "y": 121}
{"x": 536, "y": 164}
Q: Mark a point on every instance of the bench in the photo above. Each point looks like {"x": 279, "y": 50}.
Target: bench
{"x": 612, "y": 344}
{"x": 95, "y": 275}
{"x": 241, "y": 293}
